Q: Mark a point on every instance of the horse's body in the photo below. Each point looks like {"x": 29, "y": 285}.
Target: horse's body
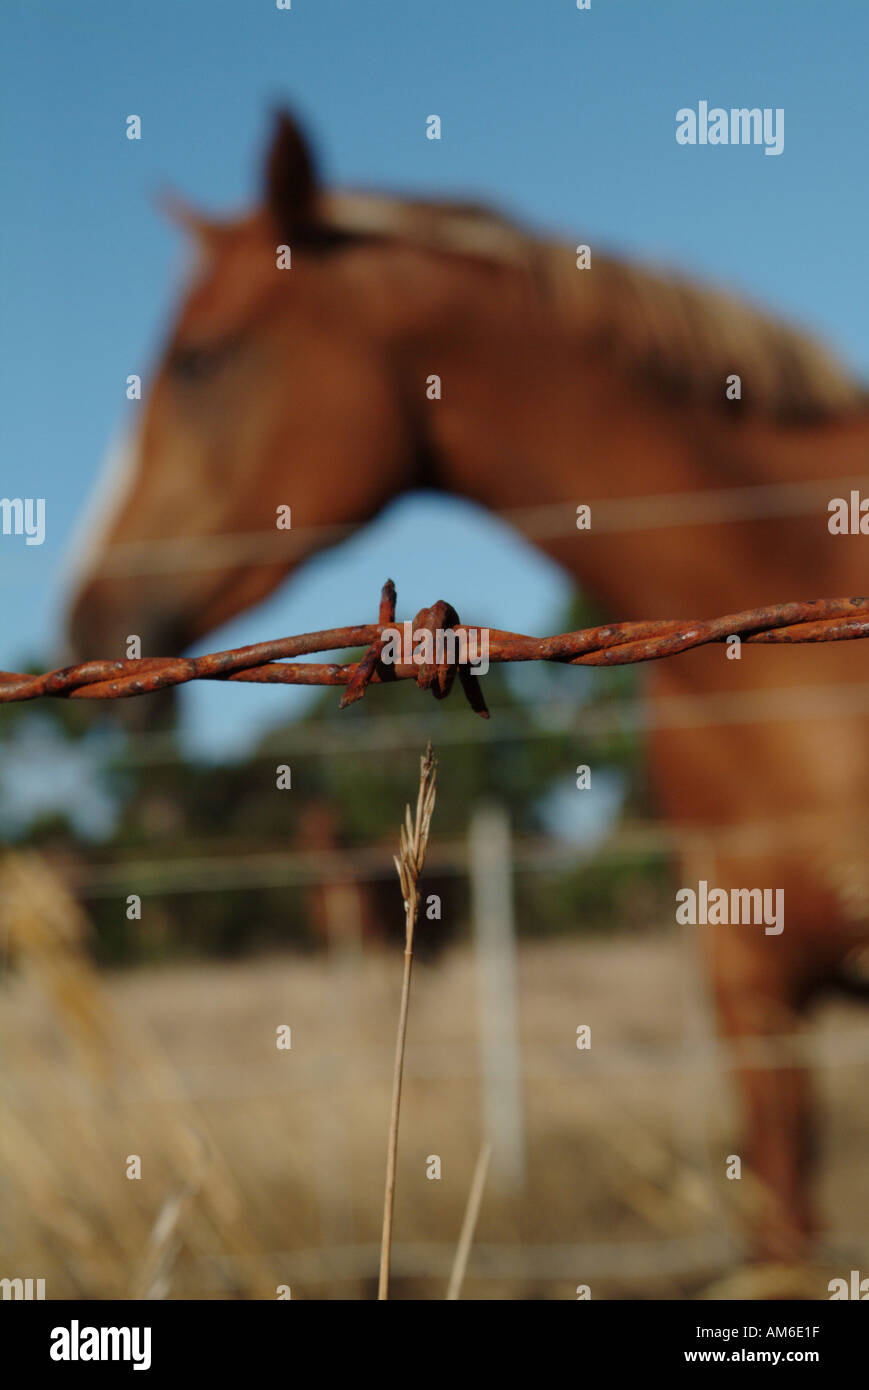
{"x": 560, "y": 386}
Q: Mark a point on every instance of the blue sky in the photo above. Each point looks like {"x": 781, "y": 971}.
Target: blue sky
{"x": 564, "y": 118}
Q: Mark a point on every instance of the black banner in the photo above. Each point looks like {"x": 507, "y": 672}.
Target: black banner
{"x": 83, "y": 1339}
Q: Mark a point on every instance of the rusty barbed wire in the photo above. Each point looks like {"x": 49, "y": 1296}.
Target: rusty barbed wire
{"x": 613, "y": 644}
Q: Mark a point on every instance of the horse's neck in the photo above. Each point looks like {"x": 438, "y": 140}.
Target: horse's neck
{"x": 531, "y": 418}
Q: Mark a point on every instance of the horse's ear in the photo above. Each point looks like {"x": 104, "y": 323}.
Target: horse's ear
{"x": 207, "y": 235}
{"x": 291, "y": 183}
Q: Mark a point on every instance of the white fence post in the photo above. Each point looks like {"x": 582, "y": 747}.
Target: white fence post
{"x": 491, "y": 873}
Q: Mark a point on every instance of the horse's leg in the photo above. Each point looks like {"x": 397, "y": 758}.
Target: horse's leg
{"x": 760, "y": 1007}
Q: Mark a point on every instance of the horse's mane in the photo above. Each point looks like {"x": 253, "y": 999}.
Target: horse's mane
{"x": 685, "y": 336}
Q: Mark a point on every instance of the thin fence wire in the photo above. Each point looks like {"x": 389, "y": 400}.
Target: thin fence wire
{"x": 228, "y": 869}
{"x": 549, "y": 718}
{"x": 545, "y": 719}
{"x": 834, "y": 1049}
{"x": 549, "y": 521}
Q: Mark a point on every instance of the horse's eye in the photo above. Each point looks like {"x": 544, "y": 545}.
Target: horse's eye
{"x": 193, "y": 363}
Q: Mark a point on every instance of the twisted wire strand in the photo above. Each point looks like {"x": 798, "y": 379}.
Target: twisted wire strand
{"x": 613, "y": 644}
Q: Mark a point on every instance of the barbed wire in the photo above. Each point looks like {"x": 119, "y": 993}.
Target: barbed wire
{"x": 613, "y": 644}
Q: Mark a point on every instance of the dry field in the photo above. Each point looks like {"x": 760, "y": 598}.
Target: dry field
{"x": 263, "y": 1167}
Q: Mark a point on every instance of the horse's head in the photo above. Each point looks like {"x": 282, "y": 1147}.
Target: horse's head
{"x": 274, "y": 392}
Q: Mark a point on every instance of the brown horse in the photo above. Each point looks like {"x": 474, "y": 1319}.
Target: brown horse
{"x": 311, "y": 386}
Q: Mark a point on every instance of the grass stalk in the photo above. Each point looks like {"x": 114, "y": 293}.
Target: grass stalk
{"x": 408, "y": 863}
{"x": 469, "y": 1224}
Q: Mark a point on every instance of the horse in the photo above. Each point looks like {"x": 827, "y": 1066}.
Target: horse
{"x": 335, "y": 349}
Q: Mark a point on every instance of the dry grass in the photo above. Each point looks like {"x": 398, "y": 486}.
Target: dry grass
{"x": 408, "y": 864}
{"x": 113, "y": 1095}
{"x": 626, "y": 1143}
